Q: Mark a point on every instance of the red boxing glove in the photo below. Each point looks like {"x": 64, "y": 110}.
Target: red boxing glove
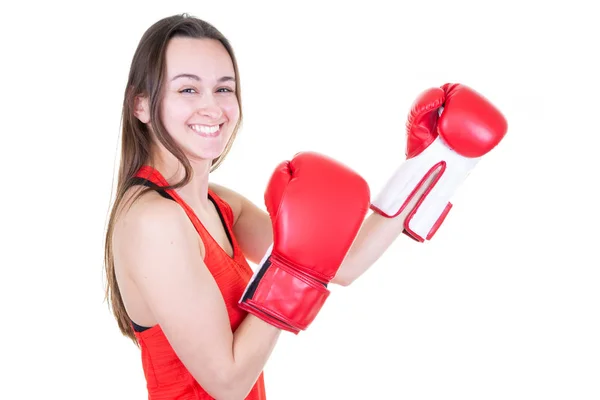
{"x": 449, "y": 129}
{"x": 317, "y": 207}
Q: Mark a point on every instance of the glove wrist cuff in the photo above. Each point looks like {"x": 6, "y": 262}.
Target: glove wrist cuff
{"x": 286, "y": 295}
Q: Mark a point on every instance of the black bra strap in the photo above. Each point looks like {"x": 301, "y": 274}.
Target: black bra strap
{"x": 145, "y": 182}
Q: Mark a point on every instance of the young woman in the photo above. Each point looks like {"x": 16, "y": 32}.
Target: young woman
{"x": 177, "y": 245}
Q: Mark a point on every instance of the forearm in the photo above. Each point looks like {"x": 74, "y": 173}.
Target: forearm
{"x": 253, "y": 343}
{"x": 375, "y": 236}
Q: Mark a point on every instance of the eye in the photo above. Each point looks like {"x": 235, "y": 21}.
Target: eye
{"x": 187, "y": 90}
{"x": 225, "y": 90}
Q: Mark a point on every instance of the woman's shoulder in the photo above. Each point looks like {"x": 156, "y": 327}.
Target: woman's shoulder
{"x": 139, "y": 203}
{"x": 145, "y": 213}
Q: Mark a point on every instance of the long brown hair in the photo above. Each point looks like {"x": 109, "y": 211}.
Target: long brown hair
{"x": 146, "y": 79}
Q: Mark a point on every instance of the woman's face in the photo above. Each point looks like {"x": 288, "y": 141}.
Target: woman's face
{"x": 199, "y": 109}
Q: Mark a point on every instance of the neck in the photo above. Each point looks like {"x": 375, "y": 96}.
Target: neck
{"x": 195, "y": 192}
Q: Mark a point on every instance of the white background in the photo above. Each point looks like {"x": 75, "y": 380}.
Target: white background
{"x": 503, "y": 304}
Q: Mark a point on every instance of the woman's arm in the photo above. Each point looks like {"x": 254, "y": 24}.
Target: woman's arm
{"x": 162, "y": 253}
{"x": 375, "y": 236}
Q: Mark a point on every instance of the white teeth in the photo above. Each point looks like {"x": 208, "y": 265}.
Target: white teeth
{"x": 205, "y": 129}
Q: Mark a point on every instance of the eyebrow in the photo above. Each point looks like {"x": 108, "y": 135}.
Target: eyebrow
{"x": 197, "y": 78}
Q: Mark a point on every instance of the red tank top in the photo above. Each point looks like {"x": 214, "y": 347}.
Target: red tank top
{"x": 166, "y": 376}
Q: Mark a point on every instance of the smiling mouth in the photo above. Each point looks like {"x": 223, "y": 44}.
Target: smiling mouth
{"x": 207, "y": 130}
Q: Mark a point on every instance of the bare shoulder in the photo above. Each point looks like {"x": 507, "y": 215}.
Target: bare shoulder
{"x": 149, "y": 211}
{"x": 150, "y": 221}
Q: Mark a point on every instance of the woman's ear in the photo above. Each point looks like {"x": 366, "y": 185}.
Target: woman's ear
{"x": 142, "y": 109}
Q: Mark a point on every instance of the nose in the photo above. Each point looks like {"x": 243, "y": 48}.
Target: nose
{"x": 210, "y": 108}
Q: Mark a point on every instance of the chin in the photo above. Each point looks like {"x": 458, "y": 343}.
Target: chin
{"x": 203, "y": 156}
